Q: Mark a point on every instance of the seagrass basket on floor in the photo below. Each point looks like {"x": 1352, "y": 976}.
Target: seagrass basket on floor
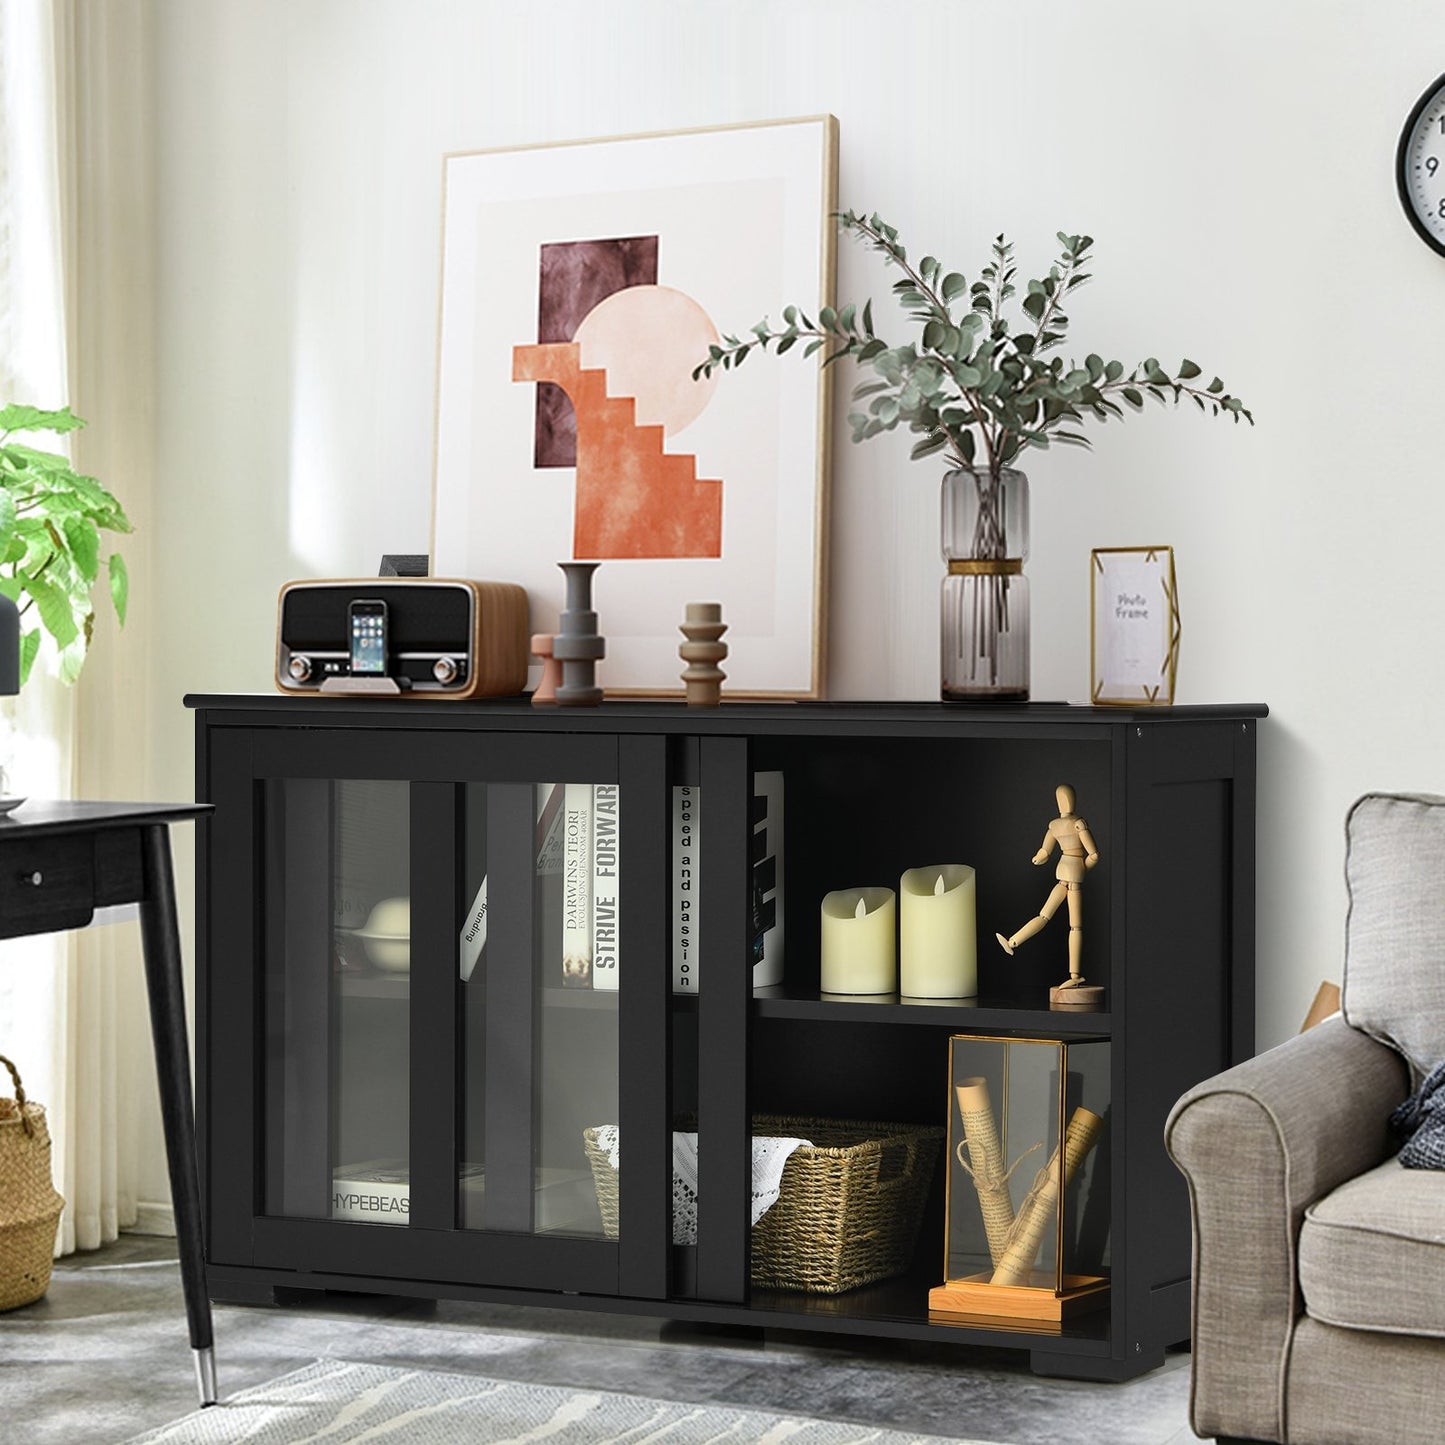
{"x": 849, "y": 1208}
{"x": 29, "y": 1205}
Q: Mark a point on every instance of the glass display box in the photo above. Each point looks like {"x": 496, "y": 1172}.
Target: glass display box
{"x": 1026, "y": 1235}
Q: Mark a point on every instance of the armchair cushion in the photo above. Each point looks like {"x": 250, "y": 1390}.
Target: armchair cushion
{"x": 1395, "y": 935}
{"x": 1372, "y": 1252}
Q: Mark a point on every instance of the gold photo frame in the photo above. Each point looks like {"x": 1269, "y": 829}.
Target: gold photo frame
{"x": 1133, "y": 626}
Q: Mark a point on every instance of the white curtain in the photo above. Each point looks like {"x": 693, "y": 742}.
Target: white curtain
{"x": 75, "y": 317}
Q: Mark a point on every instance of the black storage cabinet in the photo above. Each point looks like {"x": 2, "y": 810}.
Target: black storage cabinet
{"x": 871, "y": 789}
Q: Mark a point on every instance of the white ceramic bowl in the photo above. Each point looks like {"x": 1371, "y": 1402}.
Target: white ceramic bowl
{"x": 387, "y": 935}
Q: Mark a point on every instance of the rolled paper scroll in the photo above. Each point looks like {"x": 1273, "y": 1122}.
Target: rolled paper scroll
{"x": 985, "y": 1163}
{"x": 1037, "y": 1210}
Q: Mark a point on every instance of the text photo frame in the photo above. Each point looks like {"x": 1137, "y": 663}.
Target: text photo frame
{"x": 1133, "y": 626}
{"x": 581, "y": 285}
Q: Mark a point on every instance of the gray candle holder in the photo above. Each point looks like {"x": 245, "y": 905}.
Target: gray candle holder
{"x": 578, "y": 645}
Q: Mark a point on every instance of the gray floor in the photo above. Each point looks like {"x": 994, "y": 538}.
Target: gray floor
{"x": 104, "y": 1356}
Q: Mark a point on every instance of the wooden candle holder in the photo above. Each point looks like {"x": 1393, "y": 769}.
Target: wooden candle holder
{"x": 541, "y": 646}
{"x": 703, "y": 627}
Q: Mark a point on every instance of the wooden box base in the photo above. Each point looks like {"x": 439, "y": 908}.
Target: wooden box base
{"x": 974, "y": 1299}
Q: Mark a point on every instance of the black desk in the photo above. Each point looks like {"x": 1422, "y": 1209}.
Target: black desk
{"x": 59, "y": 862}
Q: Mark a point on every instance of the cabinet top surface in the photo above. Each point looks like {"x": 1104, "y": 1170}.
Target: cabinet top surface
{"x": 641, "y": 715}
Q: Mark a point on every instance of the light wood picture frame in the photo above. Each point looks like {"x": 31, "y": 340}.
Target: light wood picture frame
{"x": 1134, "y": 626}
{"x": 581, "y": 284}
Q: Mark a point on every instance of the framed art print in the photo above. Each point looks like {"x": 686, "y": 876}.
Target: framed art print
{"x": 1134, "y": 626}
{"x": 581, "y": 286}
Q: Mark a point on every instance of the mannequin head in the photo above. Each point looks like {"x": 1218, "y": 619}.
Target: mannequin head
{"x": 1065, "y": 795}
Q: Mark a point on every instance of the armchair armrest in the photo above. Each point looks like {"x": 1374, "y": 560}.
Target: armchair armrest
{"x": 1257, "y": 1145}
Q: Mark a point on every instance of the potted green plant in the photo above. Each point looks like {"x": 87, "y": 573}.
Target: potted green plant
{"x": 981, "y": 383}
{"x": 51, "y": 520}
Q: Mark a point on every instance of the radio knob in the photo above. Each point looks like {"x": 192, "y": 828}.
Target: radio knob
{"x": 444, "y": 669}
{"x": 299, "y": 667}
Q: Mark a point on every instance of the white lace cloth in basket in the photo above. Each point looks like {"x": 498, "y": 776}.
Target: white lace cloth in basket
{"x": 769, "y": 1157}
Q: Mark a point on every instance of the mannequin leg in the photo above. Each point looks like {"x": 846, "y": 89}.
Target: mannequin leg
{"x": 1034, "y": 924}
{"x": 1076, "y": 934}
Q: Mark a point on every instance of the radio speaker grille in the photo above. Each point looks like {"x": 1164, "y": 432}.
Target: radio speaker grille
{"x": 419, "y": 619}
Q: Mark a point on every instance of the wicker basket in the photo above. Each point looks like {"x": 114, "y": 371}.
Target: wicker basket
{"x": 849, "y": 1209}
{"x": 29, "y": 1205}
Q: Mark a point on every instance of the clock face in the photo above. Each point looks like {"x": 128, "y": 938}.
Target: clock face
{"x": 1420, "y": 166}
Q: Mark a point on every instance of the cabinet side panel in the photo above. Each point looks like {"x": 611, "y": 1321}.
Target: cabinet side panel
{"x": 227, "y": 1036}
{"x": 1177, "y": 1011}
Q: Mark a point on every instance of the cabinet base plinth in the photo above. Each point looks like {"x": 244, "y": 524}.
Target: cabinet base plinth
{"x": 975, "y": 1301}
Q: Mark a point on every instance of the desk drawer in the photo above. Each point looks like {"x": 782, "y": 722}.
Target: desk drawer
{"x": 46, "y": 884}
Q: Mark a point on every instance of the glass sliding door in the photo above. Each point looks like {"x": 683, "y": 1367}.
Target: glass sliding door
{"x": 540, "y": 962}
{"x": 337, "y": 1000}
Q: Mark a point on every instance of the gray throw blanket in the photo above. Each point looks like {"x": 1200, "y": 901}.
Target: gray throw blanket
{"x": 1420, "y": 1120}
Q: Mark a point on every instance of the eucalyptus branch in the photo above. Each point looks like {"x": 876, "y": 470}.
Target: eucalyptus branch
{"x": 965, "y": 393}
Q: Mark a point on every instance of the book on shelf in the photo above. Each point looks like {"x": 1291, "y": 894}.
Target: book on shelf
{"x": 378, "y": 1191}
{"x": 577, "y": 886}
{"x": 605, "y": 859}
{"x": 767, "y": 878}
{"x": 684, "y": 890}
{"x": 765, "y": 882}
{"x": 551, "y": 798}
{"x": 472, "y": 940}
{"x": 375, "y": 1191}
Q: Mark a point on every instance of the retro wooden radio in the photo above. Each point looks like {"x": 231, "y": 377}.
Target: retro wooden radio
{"x": 409, "y": 637}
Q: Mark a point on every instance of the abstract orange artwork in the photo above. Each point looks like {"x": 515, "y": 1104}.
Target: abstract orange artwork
{"x": 633, "y": 499}
{"x": 628, "y": 375}
{"x": 582, "y": 284}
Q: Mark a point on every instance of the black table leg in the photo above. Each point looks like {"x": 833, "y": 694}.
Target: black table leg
{"x": 162, "y": 946}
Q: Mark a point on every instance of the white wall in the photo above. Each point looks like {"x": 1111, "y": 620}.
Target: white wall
{"x": 1234, "y": 162}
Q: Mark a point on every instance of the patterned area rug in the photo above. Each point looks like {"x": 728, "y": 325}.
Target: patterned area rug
{"x": 336, "y": 1402}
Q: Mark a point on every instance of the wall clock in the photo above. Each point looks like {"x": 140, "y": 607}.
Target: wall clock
{"x": 1420, "y": 167}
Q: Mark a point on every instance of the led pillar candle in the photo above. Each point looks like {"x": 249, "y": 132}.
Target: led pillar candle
{"x": 938, "y": 952}
{"x": 858, "y": 951}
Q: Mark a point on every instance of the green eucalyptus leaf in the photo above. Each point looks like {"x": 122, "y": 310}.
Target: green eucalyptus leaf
{"x": 1188, "y": 370}
{"x": 953, "y": 285}
{"x": 930, "y": 444}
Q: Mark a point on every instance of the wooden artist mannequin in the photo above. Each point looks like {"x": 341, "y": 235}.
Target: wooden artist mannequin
{"x": 1077, "y": 854}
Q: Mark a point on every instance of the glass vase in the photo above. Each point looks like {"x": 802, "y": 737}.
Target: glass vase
{"x": 985, "y": 621}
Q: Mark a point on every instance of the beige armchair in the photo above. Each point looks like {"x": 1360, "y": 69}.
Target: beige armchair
{"x": 1319, "y": 1261}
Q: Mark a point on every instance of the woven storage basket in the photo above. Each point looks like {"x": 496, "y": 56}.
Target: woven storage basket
{"x": 849, "y": 1208}
{"x": 29, "y": 1205}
